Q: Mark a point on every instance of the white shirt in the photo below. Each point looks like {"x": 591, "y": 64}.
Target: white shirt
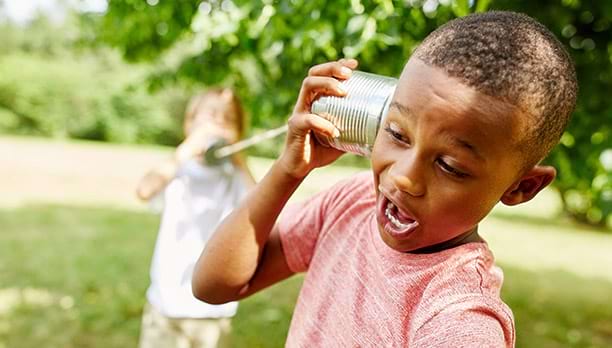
{"x": 195, "y": 202}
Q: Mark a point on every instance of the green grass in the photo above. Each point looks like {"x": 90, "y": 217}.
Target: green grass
{"x": 86, "y": 271}
{"x": 558, "y": 309}
{"x": 75, "y": 276}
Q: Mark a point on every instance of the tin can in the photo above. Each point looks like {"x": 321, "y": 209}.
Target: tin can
{"x": 359, "y": 114}
{"x": 210, "y": 157}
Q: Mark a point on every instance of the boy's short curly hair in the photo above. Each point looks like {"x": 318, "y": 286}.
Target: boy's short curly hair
{"x": 512, "y": 57}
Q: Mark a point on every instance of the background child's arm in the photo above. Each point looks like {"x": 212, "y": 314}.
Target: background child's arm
{"x": 156, "y": 179}
{"x": 245, "y": 255}
{"x": 193, "y": 147}
{"x": 240, "y": 164}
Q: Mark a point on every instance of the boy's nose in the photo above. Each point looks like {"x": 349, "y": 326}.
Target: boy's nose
{"x": 408, "y": 177}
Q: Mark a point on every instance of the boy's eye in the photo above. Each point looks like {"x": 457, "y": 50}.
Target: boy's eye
{"x": 395, "y": 134}
{"x": 451, "y": 170}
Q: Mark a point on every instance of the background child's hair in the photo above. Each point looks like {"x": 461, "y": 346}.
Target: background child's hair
{"x": 224, "y": 96}
{"x": 516, "y": 59}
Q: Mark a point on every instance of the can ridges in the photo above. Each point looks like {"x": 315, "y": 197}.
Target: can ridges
{"x": 357, "y": 115}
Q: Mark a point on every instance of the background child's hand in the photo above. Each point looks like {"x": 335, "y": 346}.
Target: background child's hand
{"x": 302, "y": 152}
{"x": 200, "y": 140}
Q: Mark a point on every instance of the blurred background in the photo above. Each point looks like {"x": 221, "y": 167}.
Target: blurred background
{"x": 92, "y": 95}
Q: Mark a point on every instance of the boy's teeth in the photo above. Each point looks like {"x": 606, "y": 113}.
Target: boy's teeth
{"x": 392, "y": 218}
{"x": 395, "y": 221}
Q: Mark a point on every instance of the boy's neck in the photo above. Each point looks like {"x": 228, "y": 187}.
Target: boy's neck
{"x": 471, "y": 236}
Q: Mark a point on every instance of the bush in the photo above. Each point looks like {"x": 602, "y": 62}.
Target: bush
{"x": 80, "y": 97}
{"x": 264, "y": 50}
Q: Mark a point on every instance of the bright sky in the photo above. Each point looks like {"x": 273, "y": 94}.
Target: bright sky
{"x": 23, "y": 10}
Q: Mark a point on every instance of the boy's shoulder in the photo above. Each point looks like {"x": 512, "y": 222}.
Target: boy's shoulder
{"x": 351, "y": 196}
{"x": 358, "y": 187}
{"x": 467, "y": 269}
{"x": 463, "y": 272}
{"x": 461, "y": 286}
{"x": 464, "y": 278}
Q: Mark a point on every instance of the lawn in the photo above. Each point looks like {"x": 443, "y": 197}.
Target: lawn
{"x": 74, "y": 275}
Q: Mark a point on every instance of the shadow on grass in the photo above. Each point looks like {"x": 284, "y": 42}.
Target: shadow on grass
{"x": 558, "y": 309}
{"x": 90, "y": 263}
{"x": 266, "y": 312}
{"x": 76, "y": 277}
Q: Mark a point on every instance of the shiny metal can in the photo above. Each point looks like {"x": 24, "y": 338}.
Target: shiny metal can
{"x": 359, "y": 114}
{"x": 210, "y": 156}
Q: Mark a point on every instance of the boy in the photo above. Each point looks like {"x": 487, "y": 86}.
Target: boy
{"x": 196, "y": 197}
{"x": 393, "y": 257}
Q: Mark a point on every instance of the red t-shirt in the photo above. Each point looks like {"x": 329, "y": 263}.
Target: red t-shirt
{"x": 358, "y": 292}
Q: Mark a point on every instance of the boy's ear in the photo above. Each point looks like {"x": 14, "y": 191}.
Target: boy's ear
{"x": 528, "y": 186}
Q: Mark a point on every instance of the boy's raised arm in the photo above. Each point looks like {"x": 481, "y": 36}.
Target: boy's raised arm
{"x": 244, "y": 255}
{"x": 227, "y": 267}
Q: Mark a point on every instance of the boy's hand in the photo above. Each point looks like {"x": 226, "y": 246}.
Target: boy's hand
{"x": 302, "y": 152}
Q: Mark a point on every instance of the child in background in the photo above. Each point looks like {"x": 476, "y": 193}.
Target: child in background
{"x": 196, "y": 197}
{"x": 393, "y": 257}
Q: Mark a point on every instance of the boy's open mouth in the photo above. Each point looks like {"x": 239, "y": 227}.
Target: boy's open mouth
{"x": 395, "y": 221}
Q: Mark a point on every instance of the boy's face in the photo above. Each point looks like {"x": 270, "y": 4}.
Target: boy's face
{"x": 443, "y": 158}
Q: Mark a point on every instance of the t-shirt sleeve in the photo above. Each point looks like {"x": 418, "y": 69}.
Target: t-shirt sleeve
{"x": 467, "y": 324}
{"x": 301, "y": 225}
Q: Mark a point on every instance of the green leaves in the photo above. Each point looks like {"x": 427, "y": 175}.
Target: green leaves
{"x": 264, "y": 49}
{"x": 482, "y": 5}
{"x": 143, "y": 30}
{"x": 73, "y": 97}
{"x": 460, "y": 7}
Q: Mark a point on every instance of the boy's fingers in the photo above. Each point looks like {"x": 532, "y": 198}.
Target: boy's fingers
{"x": 313, "y": 86}
{"x": 341, "y": 69}
{"x": 302, "y": 123}
{"x": 349, "y": 62}
{"x": 323, "y": 85}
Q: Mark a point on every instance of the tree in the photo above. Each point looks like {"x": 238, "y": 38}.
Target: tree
{"x": 52, "y": 85}
{"x": 584, "y": 27}
{"x": 264, "y": 49}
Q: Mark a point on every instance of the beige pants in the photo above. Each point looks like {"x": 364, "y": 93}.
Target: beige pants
{"x": 159, "y": 331}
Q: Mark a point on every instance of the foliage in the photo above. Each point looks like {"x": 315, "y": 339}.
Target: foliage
{"x": 54, "y": 83}
{"x": 584, "y": 26}
{"x": 71, "y": 97}
{"x": 40, "y": 37}
{"x": 265, "y": 48}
